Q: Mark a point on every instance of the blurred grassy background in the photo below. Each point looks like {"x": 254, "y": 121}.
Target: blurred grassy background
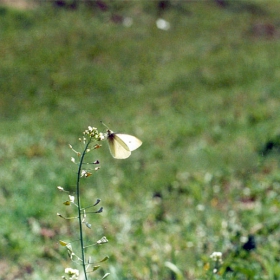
{"x": 202, "y": 96}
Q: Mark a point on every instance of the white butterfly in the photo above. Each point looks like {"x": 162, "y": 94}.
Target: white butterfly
{"x": 121, "y": 145}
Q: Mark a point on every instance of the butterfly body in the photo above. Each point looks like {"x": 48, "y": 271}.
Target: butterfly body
{"x": 121, "y": 145}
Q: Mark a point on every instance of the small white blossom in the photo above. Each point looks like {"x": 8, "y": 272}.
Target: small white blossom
{"x": 163, "y": 24}
{"x": 101, "y": 136}
{"x": 74, "y": 273}
{"x": 217, "y": 257}
{"x": 102, "y": 240}
{"x": 91, "y": 129}
{"x": 85, "y": 173}
{"x": 215, "y": 270}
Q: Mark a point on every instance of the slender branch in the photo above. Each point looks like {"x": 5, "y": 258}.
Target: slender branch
{"x": 79, "y": 206}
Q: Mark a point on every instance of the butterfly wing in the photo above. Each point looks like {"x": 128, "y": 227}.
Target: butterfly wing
{"x": 131, "y": 142}
{"x": 118, "y": 148}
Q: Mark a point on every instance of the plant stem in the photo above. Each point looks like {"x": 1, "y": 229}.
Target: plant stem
{"x": 79, "y": 207}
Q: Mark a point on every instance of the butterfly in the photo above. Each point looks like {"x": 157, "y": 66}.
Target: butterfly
{"x": 121, "y": 145}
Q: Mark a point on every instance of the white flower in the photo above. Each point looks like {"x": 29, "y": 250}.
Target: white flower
{"x": 74, "y": 273}
{"x": 100, "y": 136}
{"x": 162, "y": 24}
{"x": 85, "y": 173}
{"x": 102, "y": 240}
{"x": 91, "y": 129}
{"x": 217, "y": 256}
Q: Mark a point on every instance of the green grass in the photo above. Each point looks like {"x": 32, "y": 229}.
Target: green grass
{"x": 203, "y": 98}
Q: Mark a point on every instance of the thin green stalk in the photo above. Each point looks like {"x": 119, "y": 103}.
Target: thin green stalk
{"x": 79, "y": 207}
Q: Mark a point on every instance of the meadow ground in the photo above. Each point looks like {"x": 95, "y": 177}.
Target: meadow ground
{"x": 203, "y": 96}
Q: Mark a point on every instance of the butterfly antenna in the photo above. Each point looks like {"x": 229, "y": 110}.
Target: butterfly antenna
{"x": 104, "y": 124}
